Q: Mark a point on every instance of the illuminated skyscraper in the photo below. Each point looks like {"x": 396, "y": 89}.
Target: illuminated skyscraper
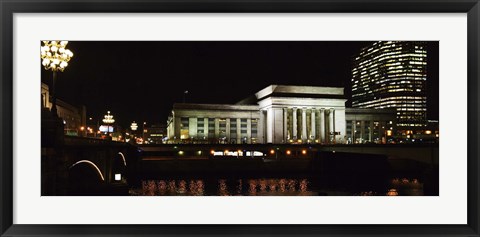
{"x": 392, "y": 74}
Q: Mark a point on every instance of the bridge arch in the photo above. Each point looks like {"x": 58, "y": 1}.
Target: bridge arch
{"x": 118, "y": 167}
{"x": 91, "y": 164}
{"x": 123, "y": 158}
{"x": 85, "y": 178}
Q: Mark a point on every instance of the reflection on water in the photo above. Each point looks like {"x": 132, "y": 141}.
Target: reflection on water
{"x": 407, "y": 187}
{"x": 171, "y": 188}
{"x": 265, "y": 187}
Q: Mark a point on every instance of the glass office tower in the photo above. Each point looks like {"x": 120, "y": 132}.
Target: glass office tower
{"x": 392, "y": 74}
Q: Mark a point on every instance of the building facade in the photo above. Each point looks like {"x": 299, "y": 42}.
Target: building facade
{"x": 302, "y": 114}
{"x": 389, "y": 74}
{"x": 155, "y": 133}
{"x": 277, "y": 114}
{"x": 369, "y": 125}
{"x": 74, "y": 118}
{"x": 214, "y": 123}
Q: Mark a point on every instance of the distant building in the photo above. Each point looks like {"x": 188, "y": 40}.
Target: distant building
{"x": 155, "y": 134}
{"x": 393, "y": 74}
{"x": 276, "y": 114}
{"x": 369, "y": 125}
{"x": 429, "y": 134}
{"x": 74, "y": 118}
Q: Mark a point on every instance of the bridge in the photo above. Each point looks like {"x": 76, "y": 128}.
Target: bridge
{"x": 87, "y": 166}
{"x": 401, "y": 158}
{"x": 372, "y": 162}
{"x": 426, "y": 153}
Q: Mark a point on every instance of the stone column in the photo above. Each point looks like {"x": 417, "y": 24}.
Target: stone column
{"x": 278, "y": 125}
{"x": 285, "y": 125}
{"x": 261, "y": 128}
{"x": 312, "y": 127}
{"x": 217, "y": 128}
{"x": 354, "y": 127}
{"x": 333, "y": 127}
{"x": 249, "y": 130}
{"x": 227, "y": 130}
{"x": 322, "y": 125}
{"x": 294, "y": 129}
{"x": 304, "y": 124}
{"x": 205, "y": 127}
{"x": 239, "y": 132}
{"x": 270, "y": 125}
{"x": 177, "y": 128}
{"x": 330, "y": 125}
{"x": 192, "y": 127}
{"x": 362, "y": 130}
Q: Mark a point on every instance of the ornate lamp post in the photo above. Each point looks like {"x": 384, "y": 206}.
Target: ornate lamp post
{"x": 108, "y": 119}
{"x": 134, "y": 126}
{"x": 143, "y": 132}
{"x": 55, "y": 58}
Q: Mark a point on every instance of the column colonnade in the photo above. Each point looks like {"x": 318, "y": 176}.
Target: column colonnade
{"x": 309, "y": 124}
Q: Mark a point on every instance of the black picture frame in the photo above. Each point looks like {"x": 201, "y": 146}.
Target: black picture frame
{"x": 9, "y": 7}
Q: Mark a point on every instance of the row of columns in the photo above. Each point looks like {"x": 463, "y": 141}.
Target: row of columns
{"x": 193, "y": 128}
{"x": 325, "y": 129}
{"x": 238, "y": 129}
{"x": 381, "y": 124}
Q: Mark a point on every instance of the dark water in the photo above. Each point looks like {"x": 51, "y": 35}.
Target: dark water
{"x": 304, "y": 186}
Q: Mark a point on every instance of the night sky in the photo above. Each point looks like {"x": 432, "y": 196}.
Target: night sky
{"x": 141, "y": 80}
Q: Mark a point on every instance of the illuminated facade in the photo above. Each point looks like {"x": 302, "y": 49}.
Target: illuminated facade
{"x": 390, "y": 74}
{"x": 369, "y": 125}
{"x": 277, "y": 114}
{"x": 73, "y": 117}
{"x": 154, "y": 134}
{"x": 302, "y": 114}
{"x": 214, "y": 123}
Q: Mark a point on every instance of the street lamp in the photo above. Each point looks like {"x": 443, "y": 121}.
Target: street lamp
{"x": 55, "y": 58}
{"x": 134, "y": 126}
{"x": 143, "y": 132}
{"x": 108, "y": 119}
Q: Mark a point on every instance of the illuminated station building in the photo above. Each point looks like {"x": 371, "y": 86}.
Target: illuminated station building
{"x": 278, "y": 114}
{"x": 389, "y": 74}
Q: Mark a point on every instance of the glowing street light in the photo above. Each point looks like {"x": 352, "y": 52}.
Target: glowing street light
{"x": 55, "y": 57}
{"x": 134, "y": 126}
{"x": 143, "y": 132}
{"x": 108, "y": 119}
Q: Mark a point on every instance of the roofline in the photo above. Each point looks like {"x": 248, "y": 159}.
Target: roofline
{"x": 269, "y": 90}
{"x": 178, "y": 106}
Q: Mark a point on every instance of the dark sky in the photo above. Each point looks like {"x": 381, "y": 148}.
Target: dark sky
{"x": 141, "y": 80}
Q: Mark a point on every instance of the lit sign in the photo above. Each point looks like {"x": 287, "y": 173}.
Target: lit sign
{"x": 235, "y": 153}
{"x": 104, "y": 128}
